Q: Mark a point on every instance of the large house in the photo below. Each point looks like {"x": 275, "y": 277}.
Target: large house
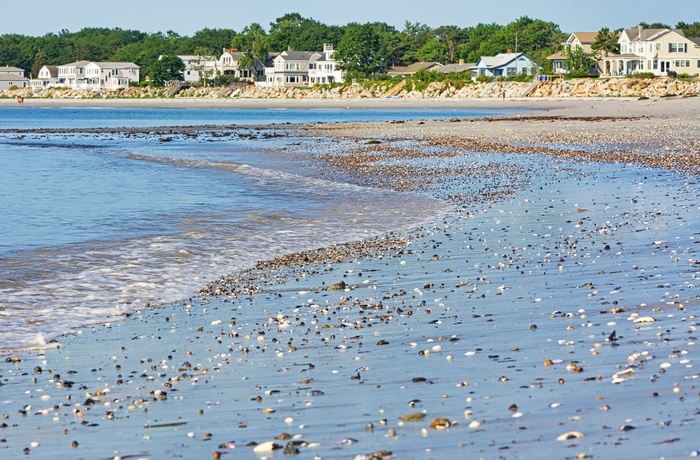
{"x": 230, "y": 64}
{"x": 323, "y": 69}
{"x": 576, "y": 40}
{"x": 303, "y": 68}
{"x": 504, "y": 65}
{"x": 12, "y": 76}
{"x": 658, "y": 51}
{"x": 88, "y": 75}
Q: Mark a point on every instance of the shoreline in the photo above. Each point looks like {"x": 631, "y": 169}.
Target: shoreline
{"x": 418, "y": 354}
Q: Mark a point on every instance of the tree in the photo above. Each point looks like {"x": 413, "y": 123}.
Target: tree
{"x": 690, "y": 30}
{"x": 654, "y": 25}
{"x": 254, "y": 42}
{"x": 359, "y": 53}
{"x": 39, "y": 61}
{"x": 213, "y": 40}
{"x": 577, "y": 62}
{"x": 166, "y": 69}
{"x": 605, "y": 43}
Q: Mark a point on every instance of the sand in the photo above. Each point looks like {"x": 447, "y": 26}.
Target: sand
{"x": 551, "y": 315}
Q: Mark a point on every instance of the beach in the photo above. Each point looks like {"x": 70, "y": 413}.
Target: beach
{"x": 549, "y": 311}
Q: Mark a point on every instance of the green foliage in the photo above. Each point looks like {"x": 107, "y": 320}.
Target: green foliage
{"x": 690, "y": 30}
{"x": 360, "y": 52}
{"x": 577, "y": 62}
{"x": 605, "y": 43}
{"x": 166, "y": 69}
{"x": 644, "y": 75}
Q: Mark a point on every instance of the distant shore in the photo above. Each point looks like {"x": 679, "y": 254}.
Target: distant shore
{"x": 559, "y": 106}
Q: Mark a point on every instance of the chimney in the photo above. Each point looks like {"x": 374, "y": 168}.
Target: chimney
{"x": 461, "y": 61}
{"x": 510, "y": 51}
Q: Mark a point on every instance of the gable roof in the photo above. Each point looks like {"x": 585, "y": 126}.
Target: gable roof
{"x": 413, "y": 68}
{"x": 454, "y": 68}
{"x": 9, "y": 69}
{"x": 53, "y": 70}
{"x": 500, "y": 59}
{"x": 114, "y": 65}
{"x": 297, "y": 55}
{"x": 12, "y": 77}
{"x": 76, "y": 64}
{"x": 583, "y": 37}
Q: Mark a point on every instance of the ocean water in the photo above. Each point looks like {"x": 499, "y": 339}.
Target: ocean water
{"x": 97, "y": 225}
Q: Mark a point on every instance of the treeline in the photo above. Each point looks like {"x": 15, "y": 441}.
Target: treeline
{"x": 373, "y": 47}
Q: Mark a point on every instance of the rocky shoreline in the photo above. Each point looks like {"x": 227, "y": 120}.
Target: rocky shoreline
{"x": 557, "y": 88}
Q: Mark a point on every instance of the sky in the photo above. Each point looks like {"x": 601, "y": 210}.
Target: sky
{"x": 185, "y": 17}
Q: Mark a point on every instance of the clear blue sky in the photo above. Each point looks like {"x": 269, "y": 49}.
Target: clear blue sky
{"x": 38, "y": 17}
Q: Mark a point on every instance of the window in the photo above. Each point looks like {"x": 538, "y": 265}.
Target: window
{"x": 682, "y": 62}
{"x": 510, "y": 71}
{"x": 677, "y": 48}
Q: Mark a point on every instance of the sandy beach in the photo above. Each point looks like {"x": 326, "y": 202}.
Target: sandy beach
{"x": 550, "y": 314}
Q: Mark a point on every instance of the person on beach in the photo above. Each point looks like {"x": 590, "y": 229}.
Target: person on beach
{"x": 20, "y": 100}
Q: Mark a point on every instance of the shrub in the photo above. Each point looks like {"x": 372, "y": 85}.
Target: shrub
{"x": 641, "y": 75}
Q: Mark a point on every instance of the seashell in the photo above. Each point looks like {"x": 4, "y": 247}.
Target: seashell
{"x": 570, "y": 435}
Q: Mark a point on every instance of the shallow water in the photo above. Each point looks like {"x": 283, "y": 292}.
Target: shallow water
{"x": 468, "y": 315}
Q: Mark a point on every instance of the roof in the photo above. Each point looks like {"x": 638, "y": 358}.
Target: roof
{"x": 12, "y": 77}
{"x": 585, "y": 37}
{"x": 649, "y": 34}
{"x": 454, "y": 68}
{"x": 114, "y": 65}
{"x": 7, "y": 69}
{"x": 500, "y": 59}
{"x": 413, "y": 68}
{"x": 53, "y": 70}
{"x": 76, "y": 64}
{"x": 298, "y": 55}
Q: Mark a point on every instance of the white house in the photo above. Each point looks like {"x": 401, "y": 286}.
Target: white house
{"x": 658, "y": 51}
{"x": 504, "y": 65}
{"x": 48, "y": 76}
{"x": 323, "y": 69}
{"x": 110, "y": 75}
{"x": 72, "y": 74}
{"x": 95, "y": 75}
{"x": 199, "y": 67}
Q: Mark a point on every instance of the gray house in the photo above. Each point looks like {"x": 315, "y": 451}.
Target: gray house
{"x": 12, "y": 76}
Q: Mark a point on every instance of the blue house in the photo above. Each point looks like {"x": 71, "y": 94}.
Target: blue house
{"x": 505, "y": 65}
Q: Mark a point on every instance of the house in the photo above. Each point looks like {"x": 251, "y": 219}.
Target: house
{"x": 12, "y": 71}
{"x": 48, "y": 76}
{"x": 9, "y": 80}
{"x": 407, "y": 71}
{"x": 659, "y": 51}
{"x": 504, "y": 65}
{"x": 290, "y": 68}
{"x": 96, "y": 75}
{"x": 230, "y": 64}
{"x": 461, "y": 66}
{"x": 323, "y": 69}
{"x": 199, "y": 67}
{"x": 110, "y": 75}
{"x": 72, "y": 74}
{"x": 576, "y": 40}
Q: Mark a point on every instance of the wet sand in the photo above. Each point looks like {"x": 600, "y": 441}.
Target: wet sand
{"x": 551, "y": 315}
